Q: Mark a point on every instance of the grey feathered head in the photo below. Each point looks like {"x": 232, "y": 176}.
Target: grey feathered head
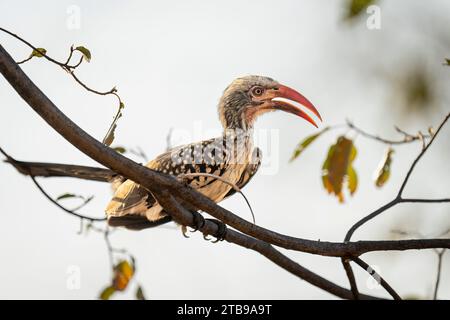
{"x": 248, "y": 97}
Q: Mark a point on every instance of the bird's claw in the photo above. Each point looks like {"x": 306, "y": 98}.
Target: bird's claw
{"x": 221, "y": 230}
{"x": 184, "y": 231}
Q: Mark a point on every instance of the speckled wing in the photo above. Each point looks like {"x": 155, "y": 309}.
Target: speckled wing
{"x": 134, "y": 207}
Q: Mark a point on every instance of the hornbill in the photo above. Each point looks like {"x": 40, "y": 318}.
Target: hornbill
{"x": 232, "y": 156}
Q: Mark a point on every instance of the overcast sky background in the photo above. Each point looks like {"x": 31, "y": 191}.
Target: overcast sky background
{"x": 171, "y": 61}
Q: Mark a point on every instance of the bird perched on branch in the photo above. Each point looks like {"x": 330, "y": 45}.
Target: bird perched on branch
{"x": 207, "y": 165}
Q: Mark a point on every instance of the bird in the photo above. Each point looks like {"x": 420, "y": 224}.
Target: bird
{"x": 212, "y": 166}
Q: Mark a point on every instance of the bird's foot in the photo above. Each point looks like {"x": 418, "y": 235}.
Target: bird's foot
{"x": 221, "y": 231}
{"x": 199, "y": 221}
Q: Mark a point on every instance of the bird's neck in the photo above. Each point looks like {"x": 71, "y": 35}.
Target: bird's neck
{"x": 238, "y": 134}
{"x": 238, "y": 140}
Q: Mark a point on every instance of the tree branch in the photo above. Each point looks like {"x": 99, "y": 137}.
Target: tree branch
{"x": 406, "y": 139}
{"x": 184, "y": 217}
{"x": 398, "y": 199}
{"x": 377, "y": 277}
{"x": 149, "y": 179}
{"x": 158, "y": 183}
{"x": 325, "y": 248}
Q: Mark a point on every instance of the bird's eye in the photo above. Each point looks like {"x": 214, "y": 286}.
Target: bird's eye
{"x": 257, "y": 91}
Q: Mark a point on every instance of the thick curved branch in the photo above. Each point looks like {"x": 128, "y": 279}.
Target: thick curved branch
{"x": 325, "y": 248}
{"x": 184, "y": 217}
{"x": 154, "y": 181}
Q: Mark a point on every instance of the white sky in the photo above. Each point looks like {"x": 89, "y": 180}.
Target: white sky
{"x": 170, "y": 61}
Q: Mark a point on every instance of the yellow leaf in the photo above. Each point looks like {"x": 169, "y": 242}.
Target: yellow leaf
{"x": 337, "y": 168}
{"x": 120, "y": 149}
{"x": 107, "y": 293}
{"x": 123, "y": 272}
{"x": 352, "y": 181}
{"x": 384, "y": 169}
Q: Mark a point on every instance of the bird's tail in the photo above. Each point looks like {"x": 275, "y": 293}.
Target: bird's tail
{"x": 137, "y": 222}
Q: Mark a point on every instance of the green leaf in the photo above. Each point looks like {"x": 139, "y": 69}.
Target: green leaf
{"x": 107, "y": 293}
{"x": 384, "y": 169}
{"x": 38, "y": 53}
{"x": 337, "y": 168}
{"x": 66, "y": 196}
{"x": 305, "y": 143}
{"x": 85, "y": 51}
{"x": 356, "y": 7}
{"x": 447, "y": 62}
{"x": 140, "y": 294}
{"x": 120, "y": 149}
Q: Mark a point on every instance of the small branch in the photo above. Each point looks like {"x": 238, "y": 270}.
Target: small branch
{"x": 71, "y": 70}
{"x": 411, "y": 169}
{"x": 407, "y": 137}
{"x": 351, "y": 278}
{"x": 33, "y": 48}
{"x": 377, "y": 278}
{"x": 100, "y": 93}
{"x": 73, "y": 213}
{"x": 25, "y": 60}
{"x": 398, "y": 199}
{"x": 440, "y": 254}
{"x": 369, "y": 217}
{"x": 412, "y": 200}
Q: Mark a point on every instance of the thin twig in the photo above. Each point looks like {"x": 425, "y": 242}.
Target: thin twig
{"x": 411, "y": 169}
{"x": 440, "y": 254}
{"x": 71, "y": 70}
{"x": 407, "y": 137}
{"x": 351, "y": 278}
{"x": 377, "y": 278}
{"x": 61, "y": 207}
{"x": 398, "y": 199}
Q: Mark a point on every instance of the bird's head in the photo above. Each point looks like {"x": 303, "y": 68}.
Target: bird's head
{"x": 248, "y": 97}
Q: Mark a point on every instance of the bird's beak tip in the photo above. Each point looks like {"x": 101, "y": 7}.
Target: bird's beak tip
{"x": 291, "y": 94}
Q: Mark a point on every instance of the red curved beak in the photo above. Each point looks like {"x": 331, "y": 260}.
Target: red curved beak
{"x": 288, "y": 93}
